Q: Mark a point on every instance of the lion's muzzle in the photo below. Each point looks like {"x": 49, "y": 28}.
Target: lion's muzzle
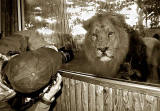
{"x": 104, "y": 54}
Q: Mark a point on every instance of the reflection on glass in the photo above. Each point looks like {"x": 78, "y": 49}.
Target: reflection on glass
{"x": 60, "y": 22}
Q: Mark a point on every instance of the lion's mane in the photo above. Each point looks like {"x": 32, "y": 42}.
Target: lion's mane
{"x": 119, "y": 46}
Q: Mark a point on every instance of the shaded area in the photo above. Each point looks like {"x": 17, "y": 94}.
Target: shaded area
{"x": 80, "y": 64}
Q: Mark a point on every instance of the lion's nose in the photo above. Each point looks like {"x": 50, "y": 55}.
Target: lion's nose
{"x": 103, "y": 49}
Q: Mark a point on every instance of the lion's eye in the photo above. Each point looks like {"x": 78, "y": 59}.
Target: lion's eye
{"x": 94, "y": 38}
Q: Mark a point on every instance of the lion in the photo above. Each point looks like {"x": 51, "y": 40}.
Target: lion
{"x": 110, "y": 43}
{"x": 153, "y": 58}
{"x": 106, "y": 43}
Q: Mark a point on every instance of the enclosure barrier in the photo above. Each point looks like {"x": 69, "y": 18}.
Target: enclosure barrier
{"x": 85, "y": 92}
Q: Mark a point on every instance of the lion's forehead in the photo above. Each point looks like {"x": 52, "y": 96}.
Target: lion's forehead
{"x": 103, "y": 43}
{"x": 101, "y": 27}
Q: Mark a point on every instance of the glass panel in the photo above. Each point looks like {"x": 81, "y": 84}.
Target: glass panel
{"x": 60, "y": 22}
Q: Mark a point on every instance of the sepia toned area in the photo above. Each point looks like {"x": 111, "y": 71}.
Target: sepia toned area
{"x": 50, "y": 18}
{"x": 115, "y": 43}
{"x": 84, "y": 93}
{"x": 61, "y": 23}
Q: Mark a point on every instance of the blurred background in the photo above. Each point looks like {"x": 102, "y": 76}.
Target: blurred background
{"x": 59, "y": 22}
{"x": 55, "y": 18}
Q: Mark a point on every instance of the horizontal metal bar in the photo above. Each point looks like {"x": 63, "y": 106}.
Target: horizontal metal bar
{"x": 141, "y": 87}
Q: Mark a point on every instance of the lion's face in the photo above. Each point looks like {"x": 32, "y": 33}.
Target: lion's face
{"x": 106, "y": 41}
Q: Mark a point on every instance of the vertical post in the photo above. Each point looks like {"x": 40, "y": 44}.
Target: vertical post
{"x": 22, "y": 15}
{"x": 16, "y": 16}
{"x": 3, "y": 17}
{"x": 0, "y": 18}
{"x": 19, "y": 15}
